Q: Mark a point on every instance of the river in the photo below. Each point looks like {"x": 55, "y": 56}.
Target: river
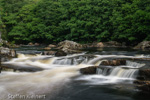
{"x": 60, "y": 77}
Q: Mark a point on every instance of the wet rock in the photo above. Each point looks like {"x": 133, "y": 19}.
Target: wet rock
{"x": 89, "y": 70}
{"x": 52, "y": 46}
{"x": 145, "y": 45}
{"x": 143, "y": 82}
{"x": 116, "y": 62}
{"x": 70, "y": 51}
{"x": 143, "y": 85}
{"x": 100, "y": 44}
{"x": 36, "y": 44}
{"x": 6, "y": 53}
{"x": 31, "y": 44}
{"x": 140, "y": 78}
{"x": 48, "y": 53}
{"x": 47, "y": 48}
{"x": 12, "y": 53}
{"x": 145, "y": 73}
{"x": 60, "y": 53}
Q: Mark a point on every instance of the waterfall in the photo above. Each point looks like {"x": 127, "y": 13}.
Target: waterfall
{"x": 54, "y": 72}
{"x": 123, "y": 73}
{"x": 134, "y": 64}
{"x": 117, "y": 72}
{"x": 73, "y": 60}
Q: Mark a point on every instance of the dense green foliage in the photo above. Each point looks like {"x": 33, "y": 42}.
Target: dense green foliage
{"x": 85, "y": 21}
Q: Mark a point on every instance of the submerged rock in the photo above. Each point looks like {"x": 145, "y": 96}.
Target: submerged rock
{"x": 116, "y": 62}
{"x": 145, "y": 45}
{"x": 89, "y": 70}
{"x": 60, "y": 53}
{"x": 143, "y": 85}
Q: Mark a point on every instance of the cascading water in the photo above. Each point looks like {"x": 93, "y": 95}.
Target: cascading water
{"x": 112, "y": 74}
{"x": 123, "y": 73}
{"x": 55, "y": 72}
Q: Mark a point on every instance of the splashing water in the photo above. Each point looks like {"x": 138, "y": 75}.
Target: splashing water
{"x": 57, "y": 72}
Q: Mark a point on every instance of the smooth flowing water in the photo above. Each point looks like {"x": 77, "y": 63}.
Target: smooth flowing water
{"x": 60, "y": 78}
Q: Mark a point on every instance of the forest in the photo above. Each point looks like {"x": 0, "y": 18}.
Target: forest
{"x": 83, "y": 21}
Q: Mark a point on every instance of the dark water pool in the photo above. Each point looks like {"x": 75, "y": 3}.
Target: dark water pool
{"x": 79, "y": 91}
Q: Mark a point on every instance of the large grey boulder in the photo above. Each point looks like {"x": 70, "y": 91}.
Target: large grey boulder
{"x": 6, "y": 53}
{"x": 145, "y": 45}
{"x": 70, "y": 46}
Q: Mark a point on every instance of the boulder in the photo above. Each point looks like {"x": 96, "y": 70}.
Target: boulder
{"x": 52, "y": 46}
{"x": 145, "y": 73}
{"x": 48, "y": 53}
{"x": 36, "y": 44}
{"x": 70, "y": 51}
{"x": 89, "y": 70}
{"x": 31, "y": 44}
{"x": 69, "y": 44}
{"x": 60, "y": 53}
{"x": 100, "y": 44}
{"x": 6, "y": 53}
{"x": 145, "y": 45}
{"x": 116, "y": 62}
{"x": 5, "y": 43}
{"x": 12, "y": 53}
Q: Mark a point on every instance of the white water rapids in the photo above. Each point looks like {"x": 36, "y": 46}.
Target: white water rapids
{"x": 57, "y": 72}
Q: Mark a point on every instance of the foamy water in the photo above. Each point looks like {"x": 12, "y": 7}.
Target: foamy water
{"x": 57, "y": 72}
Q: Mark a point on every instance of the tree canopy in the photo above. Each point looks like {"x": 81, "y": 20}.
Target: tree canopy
{"x": 84, "y": 21}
